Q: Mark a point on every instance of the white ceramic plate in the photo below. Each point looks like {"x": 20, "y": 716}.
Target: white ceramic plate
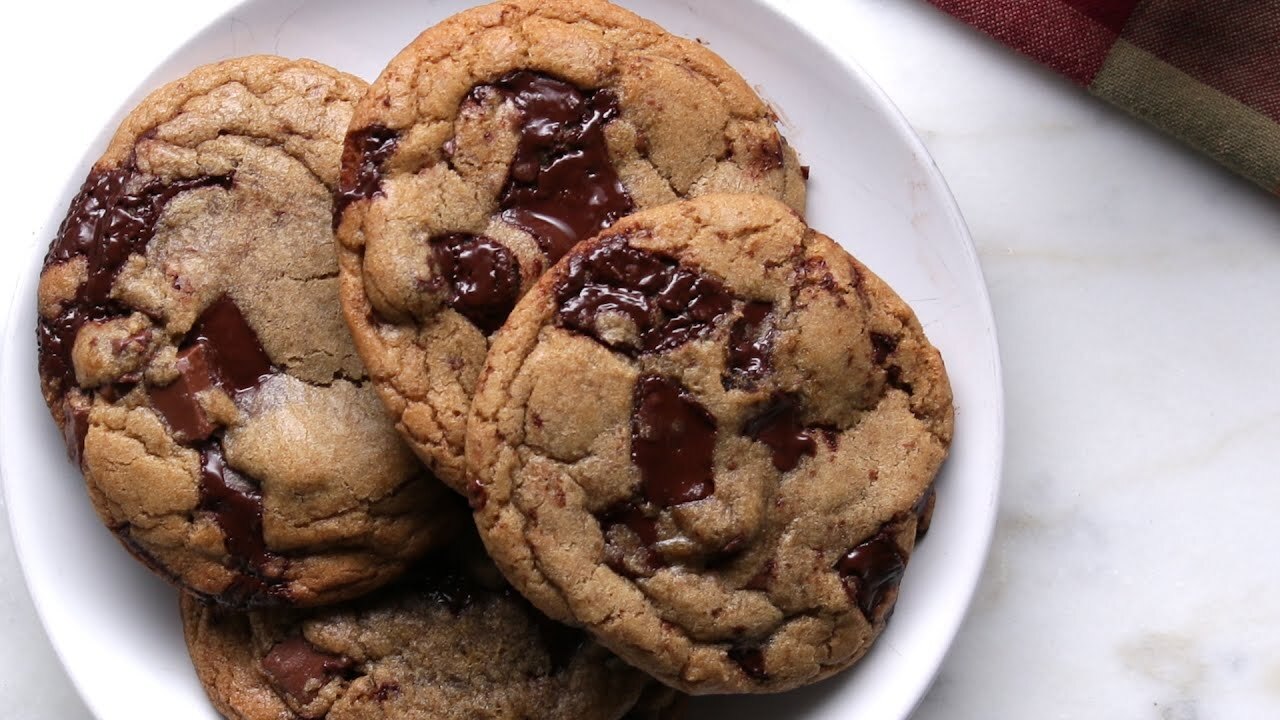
{"x": 873, "y": 187}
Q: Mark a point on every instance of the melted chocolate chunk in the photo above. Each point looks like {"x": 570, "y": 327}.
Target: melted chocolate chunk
{"x": 483, "y": 277}
{"x": 106, "y": 223}
{"x": 242, "y": 363}
{"x": 80, "y": 228}
{"x": 923, "y": 510}
{"x": 236, "y": 505}
{"x": 583, "y": 311}
{"x": 75, "y": 426}
{"x": 178, "y": 402}
{"x": 673, "y": 440}
{"x": 296, "y": 668}
{"x": 668, "y": 304}
{"x": 644, "y": 526}
{"x": 751, "y": 660}
{"x": 893, "y": 377}
{"x": 766, "y": 155}
{"x": 128, "y": 226}
{"x": 778, "y": 425}
{"x": 871, "y": 570}
{"x": 750, "y": 347}
{"x": 363, "y": 155}
{"x": 883, "y": 346}
{"x": 632, "y": 516}
{"x": 221, "y": 350}
{"x": 56, "y": 338}
{"x": 562, "y": 187}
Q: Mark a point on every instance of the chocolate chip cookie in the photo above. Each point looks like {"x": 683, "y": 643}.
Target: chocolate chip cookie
{"x": 192, "y": 349}
{"x": 449, "y": 640}
{"x": 490, "y": 146}
{"x": 709, "y": 436}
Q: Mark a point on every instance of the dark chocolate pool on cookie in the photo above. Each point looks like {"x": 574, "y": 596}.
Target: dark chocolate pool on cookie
{"x": 673, "y": 438}
{"x": 750, "y": 346}
{"x": 222, "y": 350}
{"x": 483, "y": 277}
{"x": 668, "y": 303}
{"x": 363, "y": 156}
{"x": 112, "y": 217}
{"x": 562, "y": 186}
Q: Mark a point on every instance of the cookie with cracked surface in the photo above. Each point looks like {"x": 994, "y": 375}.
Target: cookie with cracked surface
{"x": 448, "y": 640}
{"x": 492, "y": 144}
{"x": 709, "y": 436}
{"x": 192, "y": 349}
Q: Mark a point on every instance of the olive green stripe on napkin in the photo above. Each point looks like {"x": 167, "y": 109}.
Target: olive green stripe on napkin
{"x": 1243, "y": 139}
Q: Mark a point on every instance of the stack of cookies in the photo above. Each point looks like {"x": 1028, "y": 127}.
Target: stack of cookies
{"x": 513, "y": 385}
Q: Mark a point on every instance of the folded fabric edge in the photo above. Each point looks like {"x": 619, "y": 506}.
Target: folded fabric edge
{"x": 1241, "y": 138}
{"x": 1092, "y": 54}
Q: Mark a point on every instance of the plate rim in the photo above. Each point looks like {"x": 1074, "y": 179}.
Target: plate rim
{"x": 993, "y": 445}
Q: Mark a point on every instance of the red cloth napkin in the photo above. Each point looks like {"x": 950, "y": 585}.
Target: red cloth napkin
{"x": 1204, "y": 71}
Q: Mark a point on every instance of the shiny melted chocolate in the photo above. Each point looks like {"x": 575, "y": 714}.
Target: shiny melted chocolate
{"x": 750, "y": 353}
{"x": 178, "y": 401}
{"x": 235, "y": 501}
{"x": 364, "y": 154}
{"x": 221, "y": 350}
{"x": 112, "y": 217}
{"x": 242, "y": 363}
{"x": 778, "y": 425}
{"x": 561, "y": 187}
{"x": 673, "y": 440}
{"x": 668, "y": 304}
{"x": 482, "y": 277}
{"x": 871, "y": 570}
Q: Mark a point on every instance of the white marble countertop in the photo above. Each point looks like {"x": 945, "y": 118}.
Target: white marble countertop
{"x": 1136, "y": 287}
